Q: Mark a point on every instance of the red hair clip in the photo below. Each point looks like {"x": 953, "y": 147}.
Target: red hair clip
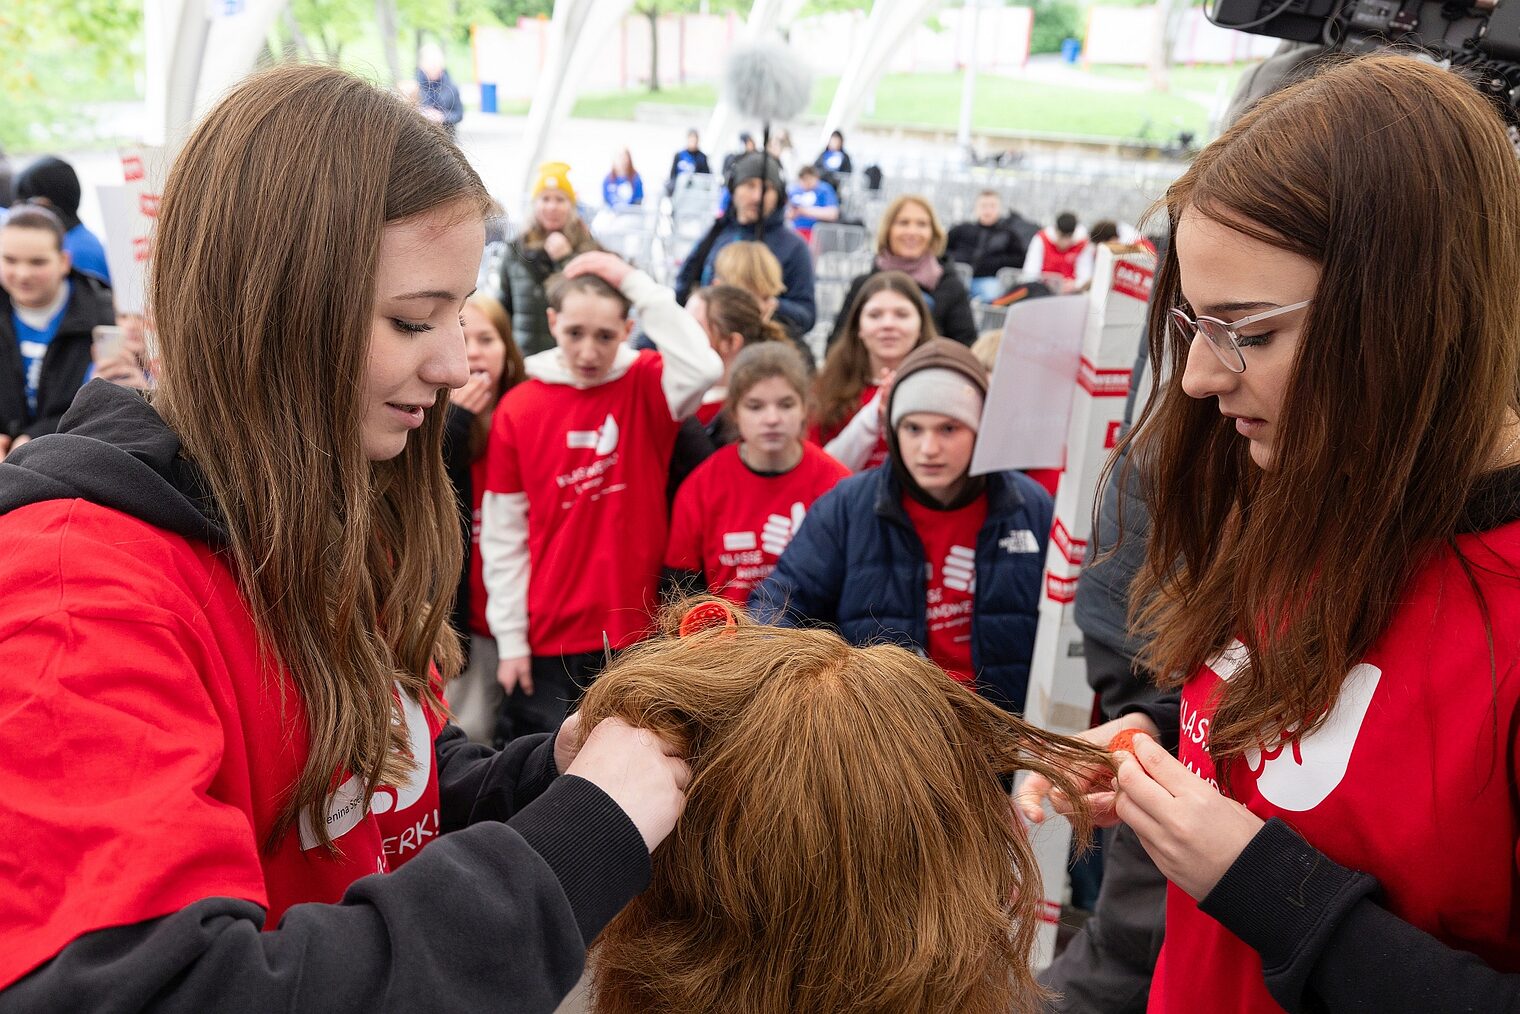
{"x": 706, "y": 616}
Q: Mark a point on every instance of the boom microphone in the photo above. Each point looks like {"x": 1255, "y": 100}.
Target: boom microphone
{"x": 766, "y": 81}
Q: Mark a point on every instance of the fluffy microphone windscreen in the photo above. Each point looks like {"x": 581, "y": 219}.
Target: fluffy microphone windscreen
{"x": 766, "y": 81}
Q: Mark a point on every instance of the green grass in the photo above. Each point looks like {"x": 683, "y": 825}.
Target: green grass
{"x": 1002, "y": 103}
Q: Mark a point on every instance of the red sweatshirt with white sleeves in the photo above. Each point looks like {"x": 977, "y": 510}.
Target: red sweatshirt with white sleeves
{"x": 573, "y": 518}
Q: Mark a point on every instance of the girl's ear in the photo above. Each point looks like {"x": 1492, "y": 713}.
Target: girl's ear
{"x": 627, "y": 328}
{"x": 553, "y": 316}
{"x": 735, "y": 343}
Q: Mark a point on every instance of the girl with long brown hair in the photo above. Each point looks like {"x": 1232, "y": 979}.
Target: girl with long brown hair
{"x": 496, "y": 366}
{"x": 735, "y": 515}
{"x": 847, "y": 846}
{"x": 1329, "y": 458}
{"x": 225, "y": 620}
{"x": 887, "y": 319}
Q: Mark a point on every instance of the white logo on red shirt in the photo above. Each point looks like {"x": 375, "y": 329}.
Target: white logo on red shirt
{"x": 603, "y": 440}
{"x": 960, "y": 569}
{"x": 1300, "y": 775}
{"x": 738, "y": 542}
{"x": 780, "y": 528}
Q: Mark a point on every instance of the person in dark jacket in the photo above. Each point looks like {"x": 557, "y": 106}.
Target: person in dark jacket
{"x": 437, "y": 94}
{"x": 918, "y": 551}
{"x": 989, "y": 243}
{"x": 223, "y": 622}
{"x": 688, "y": 161}
{"x": 834, "y": 161}
{"x": 47, "y": 313}
{"x": 556, "y": 234}
{"x": 911, "y": 240}
{"x": 52, "y": 182}
{"x": 758, "y": 211}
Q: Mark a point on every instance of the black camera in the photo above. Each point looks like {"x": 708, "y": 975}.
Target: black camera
{"x": 1481, "y": 38}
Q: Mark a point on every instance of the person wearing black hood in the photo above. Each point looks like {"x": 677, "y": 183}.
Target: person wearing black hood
{"x": 52, "y": 182}
{"x": 919, "y": 552}
{"x": 758, "y": 212}
{"x": 48, "y": 310}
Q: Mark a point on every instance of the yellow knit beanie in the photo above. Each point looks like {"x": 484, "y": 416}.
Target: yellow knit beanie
{"x": 554, "y": 176}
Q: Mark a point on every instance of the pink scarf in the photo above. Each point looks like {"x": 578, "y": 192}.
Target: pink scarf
{"x": 925, "y": 270}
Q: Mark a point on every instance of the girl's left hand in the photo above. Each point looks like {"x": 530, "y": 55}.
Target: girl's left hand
{"x": 1192, "y": 832}
{"x": 611, "y": 268}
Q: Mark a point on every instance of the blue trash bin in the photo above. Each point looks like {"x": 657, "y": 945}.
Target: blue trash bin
{"x": 487, "y": 97}
{"x": 1071, "y": 49}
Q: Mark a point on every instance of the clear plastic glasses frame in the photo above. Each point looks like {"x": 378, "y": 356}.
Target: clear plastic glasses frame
{"x": 1222, "y": 336}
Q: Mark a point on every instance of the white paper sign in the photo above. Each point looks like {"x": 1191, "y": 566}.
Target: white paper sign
{"x": 128, "y": 275}
{"x": 1029, "y": 403}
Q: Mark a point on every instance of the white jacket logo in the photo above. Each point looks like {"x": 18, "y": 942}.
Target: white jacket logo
{"x": 603, "y": 440}
{"x": 780, "y": 528}
{"x": 1298, "y": 777}
{"x": 960, "y": 569}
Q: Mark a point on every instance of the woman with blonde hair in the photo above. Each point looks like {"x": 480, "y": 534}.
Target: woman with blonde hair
{"x": 556, "y": 234}
{"x": 847, "y": 846}
{"x": 224, "y": 621}
{"x": 912, "y": 241}
{"x": 1332, "y": 579}
{"x": 752, "y": 267}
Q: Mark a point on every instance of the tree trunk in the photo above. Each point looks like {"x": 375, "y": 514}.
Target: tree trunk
{"x": 385, "y": 18}
{"x": 298, "y": 40}
{"x": 1168, "y": 22}
{"x": 652, "y": 12}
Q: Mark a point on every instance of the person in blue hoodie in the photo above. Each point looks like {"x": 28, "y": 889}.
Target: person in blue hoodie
{"x": 758, "y": 212}
{"x": 52, "y": 183}
{"x": 437, "y": 94}
{"x": 919, "y": 552}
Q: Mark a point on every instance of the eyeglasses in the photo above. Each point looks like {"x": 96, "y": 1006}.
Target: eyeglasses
{"x": 1224, "y": 338}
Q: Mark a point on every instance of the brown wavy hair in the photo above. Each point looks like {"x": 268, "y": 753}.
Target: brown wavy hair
{"x": 263, "y": 292}
{"x": 513, "y": 372}
{"x": 847, "y": 368}
{"x": 733, "y": 310}
{"x": 846, "y": 844}
{"x": 1407, "y": 368}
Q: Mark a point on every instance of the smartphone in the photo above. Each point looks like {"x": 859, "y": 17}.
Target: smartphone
{"x": 105, "y": 342}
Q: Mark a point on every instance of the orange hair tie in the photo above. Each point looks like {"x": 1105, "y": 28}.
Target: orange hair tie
{"x": 1123, "y": 740}
{"x": 706, "y": 616}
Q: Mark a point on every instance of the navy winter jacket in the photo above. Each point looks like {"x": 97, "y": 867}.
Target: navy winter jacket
{"x": 857, "y": 564}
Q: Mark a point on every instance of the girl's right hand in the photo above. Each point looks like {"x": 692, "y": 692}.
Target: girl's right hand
{"x": 1099, "y": 785}
{"x": 645, "y": 775}
{"x": 475, "y": 396}
{"x": 557, "y": 246}
{"x": 512, "y": 673}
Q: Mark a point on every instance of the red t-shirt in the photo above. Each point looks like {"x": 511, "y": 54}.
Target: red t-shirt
{"x": 157, "y": 753}
{"x": 594, "y": 463}
{"x": 708, "y": 411}
{"x": 732, "y": 524}
{"x": 949, "y": 539}
{"x": 820, "y": 435}
{"x": 1404, "y": 781}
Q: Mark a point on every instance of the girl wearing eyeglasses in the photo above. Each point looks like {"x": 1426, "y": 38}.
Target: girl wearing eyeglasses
{"x": 1333, "y": 471}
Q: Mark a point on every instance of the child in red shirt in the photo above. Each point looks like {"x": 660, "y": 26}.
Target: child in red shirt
{"x": 738, "y": 511}
{"x": 888, "y": 320}
{"x": 574, "y": 515}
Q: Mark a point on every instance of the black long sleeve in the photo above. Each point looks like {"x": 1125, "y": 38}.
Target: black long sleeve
{"x": 494, "y": 917}
{"x": 1327, "y": 946}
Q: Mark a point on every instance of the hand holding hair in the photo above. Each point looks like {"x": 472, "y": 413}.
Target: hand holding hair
{"x": 611, "y": 268}
{"x": 568, "y": 741}
{"x": 1192, "y": 831}
{"x": 643, "y": 773}
{"x": 1100, "y": 795}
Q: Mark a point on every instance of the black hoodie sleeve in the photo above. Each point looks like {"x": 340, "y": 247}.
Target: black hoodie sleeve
{"x": 952, "y": 308}
{"x": 1327, "y": 946}
{"x": 477, "y": 782}
{"x": 495, "y": 917}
